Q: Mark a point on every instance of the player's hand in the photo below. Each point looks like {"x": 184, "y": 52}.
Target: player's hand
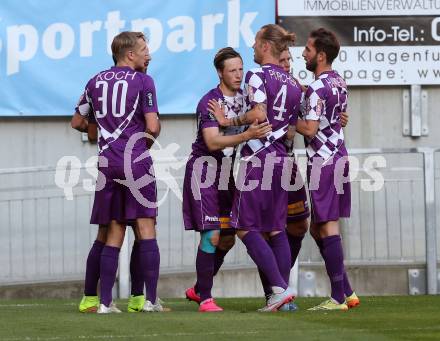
{"x": 260, "y": 109}
{"x": 258, "y": 131}
{"x": 218, "y": 112}
{"x": 344, "y": 119}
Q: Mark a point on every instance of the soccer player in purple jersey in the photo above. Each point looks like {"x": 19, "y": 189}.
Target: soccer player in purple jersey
{"x": 206, "y": 208}
{"x": 327, "y": 169}
{"x": 90, "y": 301}
{"x": 263, "y": 208}
{"x": 124, "y": 106}
{"x": 297, "y": 207}
{"x": 297, "y": 204}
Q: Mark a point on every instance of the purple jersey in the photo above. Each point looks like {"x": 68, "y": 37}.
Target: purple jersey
{"x": 119, "y": 99}
{"x": 233, "y": 106}
{"x": 325, "y": 99}
{"x": 281, "y": 93}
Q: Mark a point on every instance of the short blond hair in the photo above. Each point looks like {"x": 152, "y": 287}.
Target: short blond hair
{"x": 123, "y": 42}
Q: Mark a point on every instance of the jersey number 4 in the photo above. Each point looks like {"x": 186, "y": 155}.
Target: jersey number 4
{"x": 103, "y": 99}
{"x": 281, "y": 97}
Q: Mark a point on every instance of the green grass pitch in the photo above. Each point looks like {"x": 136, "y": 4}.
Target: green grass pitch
{"x": 378, "y": 318}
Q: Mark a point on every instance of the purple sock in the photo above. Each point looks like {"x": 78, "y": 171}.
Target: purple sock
{"x": 109, "y": 266}
{"x": 137, "y": 282}
{"x": 295, "y": 245}
{"x": 92, "y": 269}
{"x": 149, "y": 262}
{"x": 281, "y": 250}
{"x": 334, "y": 263}
{"x": 218, "y": 259}
{"x": 262, "y": 255}
{"x": 347, "y": 287}
{"x": 205, "y": 273}
{"x": 266, "y": 286}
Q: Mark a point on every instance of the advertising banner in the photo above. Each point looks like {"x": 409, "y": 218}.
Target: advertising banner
{"x": 382, "y": 42}
{"x": 50, "y": 49}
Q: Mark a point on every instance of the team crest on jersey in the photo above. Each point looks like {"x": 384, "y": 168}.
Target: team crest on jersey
{"x": 150, "y": 99}
{"x": 211, "y": 116}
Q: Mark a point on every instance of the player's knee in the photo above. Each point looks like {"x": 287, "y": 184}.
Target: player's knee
{"x": 298, "y": 228}
{"x": 266, "y": 236}
{"x": 314, "y": 232}
{"x": 226, "y": 242}
{"x": 115, "y": 237}
{"x": 330, "y": 228}
{"x": 241, "y": 234}
{"x": 209, "y": 241}
{"x": 145, "y": 228}
{"x": 273, "y": 234}
{"x": 102, "y": 233}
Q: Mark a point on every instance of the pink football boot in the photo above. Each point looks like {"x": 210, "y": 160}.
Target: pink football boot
{"x": 208, "y": 306}
{"x": 191, "y": 295}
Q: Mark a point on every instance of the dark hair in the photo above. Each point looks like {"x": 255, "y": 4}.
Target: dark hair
{"x": 326, "y": 41}
{"x": 279, "y": 38}
{"x": 123, "y": 42}
{"x": 224, "y": 54}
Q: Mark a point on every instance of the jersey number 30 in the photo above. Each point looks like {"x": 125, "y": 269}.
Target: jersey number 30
{"x": 115, "y": 90}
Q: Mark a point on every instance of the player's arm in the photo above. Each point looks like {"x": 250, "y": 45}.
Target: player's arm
{"x": 258, "y": 112}
{"x": 92, "y": 132}
{"x": 308, "y": 128}
{"x": 82, "y": 110}
{"x": 314, "y": 105}
{"x": 291, "y": 130}
{"x": 152, "y": 125}
{"x": 216, "y": 141}
{"x": 344, "y": 119}
{"x": 288, "y": 142}
{"x": 149, "y": 104}
{"x": 79, "y": 122}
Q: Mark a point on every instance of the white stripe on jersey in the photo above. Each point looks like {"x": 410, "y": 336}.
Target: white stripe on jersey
{"x": 111, "y": 137}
